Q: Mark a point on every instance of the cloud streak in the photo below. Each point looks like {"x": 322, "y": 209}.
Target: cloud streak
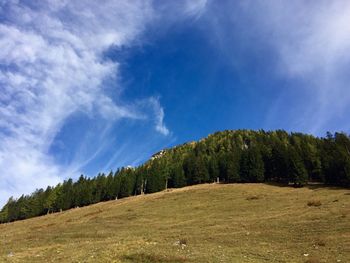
{"x": 309, "y": 45}
{"x": 51, "y": 67}
{"x": 316, "y": 49}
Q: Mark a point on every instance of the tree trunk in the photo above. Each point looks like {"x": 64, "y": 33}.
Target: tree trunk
{"x": 142, "y": 188}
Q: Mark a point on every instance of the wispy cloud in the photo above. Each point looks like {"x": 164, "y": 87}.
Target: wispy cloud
{"x": 51, "y": 67}
{"x": 158, "y": 118}
{"x": 195, "y": 8}
{"x": 309, "y": 44}
{"x": 313, "y": 42}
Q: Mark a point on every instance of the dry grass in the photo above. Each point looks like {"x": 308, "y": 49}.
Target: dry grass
{"x": 205, "y": 223}
{"x": 313, "y": 260}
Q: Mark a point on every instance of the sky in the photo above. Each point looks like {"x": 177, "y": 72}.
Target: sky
{"x": 87, "y": 86}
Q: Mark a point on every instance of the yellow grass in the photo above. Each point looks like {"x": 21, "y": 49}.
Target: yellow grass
{"x": 204, "y": 223}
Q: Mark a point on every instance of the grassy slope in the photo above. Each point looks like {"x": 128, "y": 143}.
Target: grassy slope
{"x": 219, "y": 223}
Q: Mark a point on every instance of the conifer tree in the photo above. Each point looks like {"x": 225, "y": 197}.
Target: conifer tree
{"x": 297, "y": 172}
{"x": 233, "y": 167}
{"x": 252, "y": 166}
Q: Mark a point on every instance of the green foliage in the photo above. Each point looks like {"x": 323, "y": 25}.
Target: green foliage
{"x": 233, "y": 167}
{"x": 252, "y": 166}
{"x": 177, "y": 177}
{"x": 127, "y": 182}
{"x": 297, "y": 171}
{"x": 156, "y": 177}
{"x": 232, "y": 156}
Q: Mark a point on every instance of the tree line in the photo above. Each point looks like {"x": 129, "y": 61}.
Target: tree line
{"x": 241, "y": 156}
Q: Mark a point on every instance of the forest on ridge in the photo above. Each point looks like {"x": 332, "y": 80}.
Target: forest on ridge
{"x": 240, "y": 156}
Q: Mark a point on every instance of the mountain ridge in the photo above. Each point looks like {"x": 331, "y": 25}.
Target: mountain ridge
{"x": 230, "y": 156}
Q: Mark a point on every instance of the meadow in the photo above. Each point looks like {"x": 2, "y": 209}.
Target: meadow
{"x": 202, "y": 223}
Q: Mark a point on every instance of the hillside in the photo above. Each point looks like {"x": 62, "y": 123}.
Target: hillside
{"x": 203, "y": 223}
{"x": 241, "y": 156}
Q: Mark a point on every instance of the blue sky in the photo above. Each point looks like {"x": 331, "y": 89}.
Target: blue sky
{"x": 88, "y": 87}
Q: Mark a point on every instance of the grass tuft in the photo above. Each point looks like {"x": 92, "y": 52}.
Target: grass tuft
{"x": 253, "y": 197}
{"x": 314, "y": 203}
{"x": 321, "y": 243}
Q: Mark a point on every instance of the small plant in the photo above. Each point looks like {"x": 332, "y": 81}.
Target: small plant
{"x": 314, "y": 203}
{"x": 253, "y": 197}
{"x": 321, "y": 243}
{"x": 183, "y": 241}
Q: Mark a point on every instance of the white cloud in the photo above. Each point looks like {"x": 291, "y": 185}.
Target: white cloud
{"x": 309, "y": 44}
{"x": 159, "y": 116}
{"x": 195, "y": 8}
{"x": 51, "y": 66}
{"x": 313, "y": 42}
{"x": 309, "y": 36}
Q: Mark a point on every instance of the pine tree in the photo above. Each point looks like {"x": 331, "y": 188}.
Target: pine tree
{"x": 233, "y": 167}
{"x": 252, "y": 166}
{"x": 297, "y": 172}
{"x": 109, "y": 194}
{"x": 213, "y": 169}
